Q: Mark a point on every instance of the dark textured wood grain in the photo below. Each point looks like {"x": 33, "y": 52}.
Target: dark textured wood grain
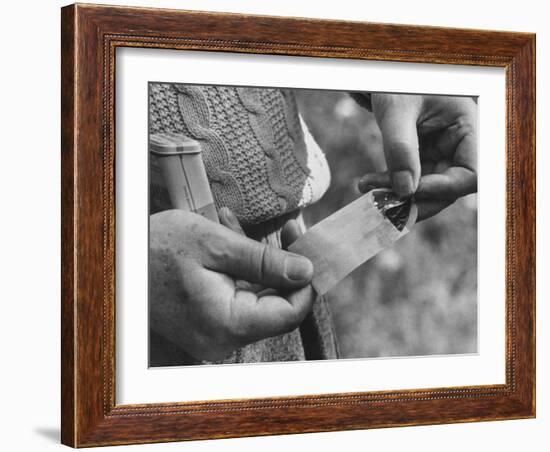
{"x": 90, "y": 36}
{"x": 67, "y": 226}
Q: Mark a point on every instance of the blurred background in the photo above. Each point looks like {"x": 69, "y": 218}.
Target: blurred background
{"x": 420, "y": 296}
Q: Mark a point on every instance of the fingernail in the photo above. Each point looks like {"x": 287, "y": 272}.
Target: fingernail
{"x": 402, "y": 183}
{"x": 298, "y": 268}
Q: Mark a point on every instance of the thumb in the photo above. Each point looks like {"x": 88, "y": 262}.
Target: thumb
{"x": 397, "y": 116}
{"x": 243, "y": 258}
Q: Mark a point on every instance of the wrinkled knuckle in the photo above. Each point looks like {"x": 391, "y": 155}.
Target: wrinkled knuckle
{"x": 262, "y": 258}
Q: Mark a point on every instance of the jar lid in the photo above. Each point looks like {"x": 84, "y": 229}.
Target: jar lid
{"x": 172, "y": 144}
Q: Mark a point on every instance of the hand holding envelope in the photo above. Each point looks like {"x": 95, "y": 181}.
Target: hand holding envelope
{"x": 354, "y": 234}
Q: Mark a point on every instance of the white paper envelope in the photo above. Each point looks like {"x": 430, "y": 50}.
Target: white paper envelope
{"x": 354, "y": 234}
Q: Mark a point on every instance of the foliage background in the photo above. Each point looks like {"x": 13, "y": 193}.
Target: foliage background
{"x": 420, "y": 296}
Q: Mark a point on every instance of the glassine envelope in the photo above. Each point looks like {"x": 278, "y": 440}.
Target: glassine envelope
{"x": 352, "y": 235}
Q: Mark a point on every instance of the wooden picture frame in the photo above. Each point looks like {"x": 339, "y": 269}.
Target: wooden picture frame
{"x": 90, "y": 36}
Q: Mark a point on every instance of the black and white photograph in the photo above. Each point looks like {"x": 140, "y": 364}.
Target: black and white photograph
{"x": 301, "y": 224}
{"x": 275, "y": 226}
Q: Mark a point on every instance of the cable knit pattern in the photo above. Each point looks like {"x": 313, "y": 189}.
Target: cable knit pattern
{"x": 261, "y": 127}
{"x": 253, "y": 145}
